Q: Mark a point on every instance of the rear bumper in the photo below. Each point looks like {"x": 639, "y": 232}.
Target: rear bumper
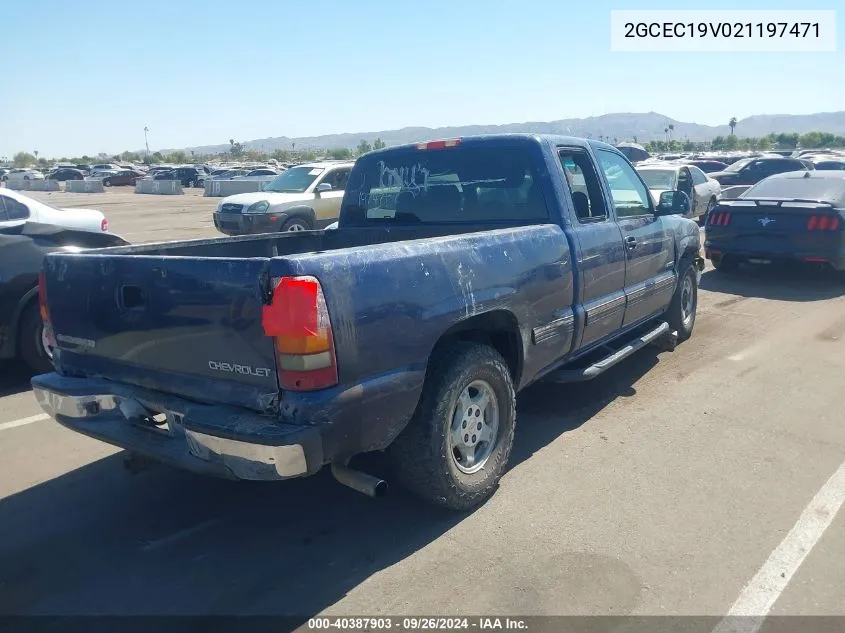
{"x": 735, "y": 248}
{"x": 214, "y": 440}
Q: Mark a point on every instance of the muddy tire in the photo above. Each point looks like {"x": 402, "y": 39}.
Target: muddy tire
{"x": 684, "y": 305}
{"x": 457, "y": 445}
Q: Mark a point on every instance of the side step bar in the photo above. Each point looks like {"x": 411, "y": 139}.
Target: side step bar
{"x": 598, "y": 368}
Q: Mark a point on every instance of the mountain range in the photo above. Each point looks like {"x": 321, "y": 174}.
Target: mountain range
{"x": 616, "y": 127}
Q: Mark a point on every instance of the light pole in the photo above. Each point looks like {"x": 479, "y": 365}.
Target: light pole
{"x": 146, "y": 142}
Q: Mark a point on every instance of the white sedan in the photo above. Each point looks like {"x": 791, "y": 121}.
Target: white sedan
{"x": 702, "y": 190}
{"x": 16, "y": 209}
{"x": 23, "y": 174}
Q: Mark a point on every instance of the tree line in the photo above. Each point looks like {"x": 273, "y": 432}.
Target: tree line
{"x": 811, "y": 140}
{"x": 237, "y": 150}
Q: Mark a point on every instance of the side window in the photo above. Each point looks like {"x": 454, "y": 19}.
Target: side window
{"x": 338, "y": 179}
{"x": 584, "y": 186}
{"x": 767, "y": 167}
{"x": 3, "y": 215}
{"x": 15, "y": 210}
{"x": 630, "y": 196}
{"x": 698, "y": 177}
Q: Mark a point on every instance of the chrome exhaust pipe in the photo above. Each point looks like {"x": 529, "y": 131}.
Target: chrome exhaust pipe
{"x": 362, "y": 482}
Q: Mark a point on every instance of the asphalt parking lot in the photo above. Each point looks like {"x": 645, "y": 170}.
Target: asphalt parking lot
{"x": 144, "y": 218}
{"x": 679, "y": 483}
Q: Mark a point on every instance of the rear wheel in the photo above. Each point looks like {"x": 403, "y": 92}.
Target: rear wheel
{"x": 682, "y": 310}
{"x": 456, "y": 447}
{"x": 725, "y": 263}
{"x": 106, "y": 182}
{"x": 32, "y": 343}
{"x": 296, "y": 224}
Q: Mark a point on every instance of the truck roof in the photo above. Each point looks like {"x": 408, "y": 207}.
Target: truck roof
{"x": 325, "y": 164}
{"x": 554, "y": 139}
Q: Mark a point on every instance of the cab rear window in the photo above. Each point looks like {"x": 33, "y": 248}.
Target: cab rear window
{"x": 452, "y": 185}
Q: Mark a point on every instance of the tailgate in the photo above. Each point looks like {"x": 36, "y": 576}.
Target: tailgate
{"x": 173, "y": 324}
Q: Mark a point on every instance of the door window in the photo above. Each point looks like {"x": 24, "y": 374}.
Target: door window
{"x": 338, "y": 179}
{"x": 698, "y": 177}
{"x": 630, "y": 195}
{"x": 15, "y": 210}
{"x": 685, "y": 181}
{"x": 584, "y": 186}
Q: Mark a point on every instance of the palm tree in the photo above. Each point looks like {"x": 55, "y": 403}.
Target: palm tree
{"x": 666, "y": 132}
{"x": 671, "y": 129}
{"x": 732, "y": 124}
{"x": 36, "y": 154}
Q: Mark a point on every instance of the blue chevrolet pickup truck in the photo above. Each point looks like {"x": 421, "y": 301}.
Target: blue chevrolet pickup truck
{"x": 461, "y": 271}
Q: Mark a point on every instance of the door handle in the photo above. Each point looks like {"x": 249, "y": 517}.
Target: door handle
{"x": 631, "y": 242}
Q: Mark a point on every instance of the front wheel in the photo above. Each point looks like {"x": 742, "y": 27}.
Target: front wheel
{"x": 456, "y": 447}
{"x": 32, "y": 343}
{"x": 106, "y": 182}
{"x": 296, "y": 224}
{"x": 684, "y": 305}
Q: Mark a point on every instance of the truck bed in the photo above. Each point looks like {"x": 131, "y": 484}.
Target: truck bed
{"x": 173, "y": 316}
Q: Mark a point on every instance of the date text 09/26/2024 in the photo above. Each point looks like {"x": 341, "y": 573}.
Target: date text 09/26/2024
{"x": 416, "y": 623}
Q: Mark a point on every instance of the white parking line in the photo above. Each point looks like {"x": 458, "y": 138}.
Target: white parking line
{"x": 760, "y": 594}
{"x": 23, "y": 421}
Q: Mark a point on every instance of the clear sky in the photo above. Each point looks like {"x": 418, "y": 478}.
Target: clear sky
{"x": 87, "y": 77}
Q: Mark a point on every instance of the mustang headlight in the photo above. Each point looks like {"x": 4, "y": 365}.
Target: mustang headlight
{"x": 259, "y": 207}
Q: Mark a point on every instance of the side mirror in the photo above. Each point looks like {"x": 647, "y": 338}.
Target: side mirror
{"x": 323, "y": 187}
{"x": 673, "y": 202}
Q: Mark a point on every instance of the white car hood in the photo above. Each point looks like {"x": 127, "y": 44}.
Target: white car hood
{"x": 271, "y": 197}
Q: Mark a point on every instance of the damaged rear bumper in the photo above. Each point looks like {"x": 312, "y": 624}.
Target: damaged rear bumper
{"x": 214, "y": 440}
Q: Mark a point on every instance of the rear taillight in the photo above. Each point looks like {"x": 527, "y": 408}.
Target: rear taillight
{"x": 104, "y": 225}
{"x": 720, "y": 219}
{"x": 823, "y": 223}
{"x": 298, "y": 321}
{"x": 45, "y": 312}
{"x": 452, "y": 142}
